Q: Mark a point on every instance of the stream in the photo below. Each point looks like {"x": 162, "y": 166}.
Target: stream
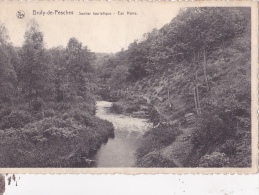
{"x": 119, "y": 151}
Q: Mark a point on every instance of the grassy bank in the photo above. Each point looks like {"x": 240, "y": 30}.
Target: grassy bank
{"x": 149, "y": 153}
{"x": 67, "y": 134}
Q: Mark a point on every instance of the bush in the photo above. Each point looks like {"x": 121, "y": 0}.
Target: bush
{"x": 155, "y": 160}
{"x": 65, "y": 116}
{"x": 209, "y": 129}
{"x": 5, "y": 112}
{"x": 156, "y": 139}
{"x": 16, "y": 119}
{"x": 82, "y": 117}
{"x": 49, "y": 112}
{"x": 132, "y": 108}
{"x": 229, "y": 147}
{"x": 53, "y": 142}
{"x": 117, "y": 107}
{"x": 215, "y": 159}
{"x": 105, "y": 127}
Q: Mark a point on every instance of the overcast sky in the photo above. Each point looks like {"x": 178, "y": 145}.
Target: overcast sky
{"x": 99, "y": 33}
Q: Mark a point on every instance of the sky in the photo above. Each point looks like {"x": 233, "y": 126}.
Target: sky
{"x": 100, "y": 33}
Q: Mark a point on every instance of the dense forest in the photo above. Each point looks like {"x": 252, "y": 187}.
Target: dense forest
{"x": 191, "y": 79}
{"x": 194, "y": 75}
{"x": 47, "y": 106}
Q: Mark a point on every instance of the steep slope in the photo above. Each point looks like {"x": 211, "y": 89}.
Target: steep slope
{"x": 194, "y": 74}
{"x": 228, "y": 101}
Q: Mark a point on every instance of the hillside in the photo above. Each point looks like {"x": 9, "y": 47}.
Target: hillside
{"x": 195, "y": 72}
{"x": 226, "y": 78}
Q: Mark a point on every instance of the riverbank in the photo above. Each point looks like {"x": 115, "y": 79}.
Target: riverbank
{"x": 68, "y": 136}
{"x": 162, "y": 134}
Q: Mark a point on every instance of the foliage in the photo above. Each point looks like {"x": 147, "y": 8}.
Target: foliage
{"x": 54, "y": 141}
{"x": 128, "y": 105}
{"x": 16, "y": 119}
{"x": 199, "y": 63}
{"x": 229, "y": 148}
{"x": 117, "y": 107}
{"x": 215, "y": 159}
{"x": 155, "y": 140}
{"x": 154, "y": 160}
{"x": 8, "y": 61}
{"x": 209, "y": 129}
{"x": 47, "y": 105}
{"x": 33, "y": 71}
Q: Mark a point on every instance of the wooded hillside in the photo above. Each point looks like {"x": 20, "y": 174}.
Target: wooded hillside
{"x": 198, "y": 65}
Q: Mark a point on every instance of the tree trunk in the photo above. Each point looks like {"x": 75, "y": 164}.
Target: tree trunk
{"x": 205, "y": 69}
{"x": 168, "y": 97}
{"x": 67, "y": 88}
{"x": 194, "y": 96}
{"x": 30, "y": 96}
{"x": 196, "y": 89}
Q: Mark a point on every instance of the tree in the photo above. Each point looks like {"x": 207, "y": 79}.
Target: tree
{"x": 33, "y": 71}
{"x": 119, "y": 76}
{"x": 79, "y": 62}
{"x": 4, "y": 38}
{"x": 137, "y": 61}
{"x": 59, "y": 71}
{"x": 7, "y": 62}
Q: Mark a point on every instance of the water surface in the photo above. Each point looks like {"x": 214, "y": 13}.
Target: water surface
{"x": 119, "y": 151}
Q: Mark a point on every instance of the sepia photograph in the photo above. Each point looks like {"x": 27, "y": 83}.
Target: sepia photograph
{"x": 128, "y": 86}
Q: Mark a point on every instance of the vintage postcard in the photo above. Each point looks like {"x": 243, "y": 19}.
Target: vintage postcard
{"x": 128, "y": 87}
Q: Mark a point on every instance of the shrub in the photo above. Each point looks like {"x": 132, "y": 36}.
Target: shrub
{"x": 37, "y": 105}
{"x": 132, "y": 108}
{"x": 82, "y": 117}
{"x": 117, "y": 107}
{"x": 4, "y": 112}
{"x": 229, "y": 147}
{"x": 65, "y": 116}
{"x": 154, "y": 160}
{"x": 39, "y": 115}
{"x": 53, "y": 142}
{"x": 216, "y": 159}
{"x": 63, "y": 106}
{"x": 209, "y": 129}
{"x": 49, "y": 112}
{"x": 154, "y": 116}
{"x": 156, "y": 139}
{"x": 105, "y": 127}
{"x": 16, "y": 119}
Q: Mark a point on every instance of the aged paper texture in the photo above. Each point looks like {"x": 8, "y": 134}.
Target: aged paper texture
{"x": 107, "y": 87}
